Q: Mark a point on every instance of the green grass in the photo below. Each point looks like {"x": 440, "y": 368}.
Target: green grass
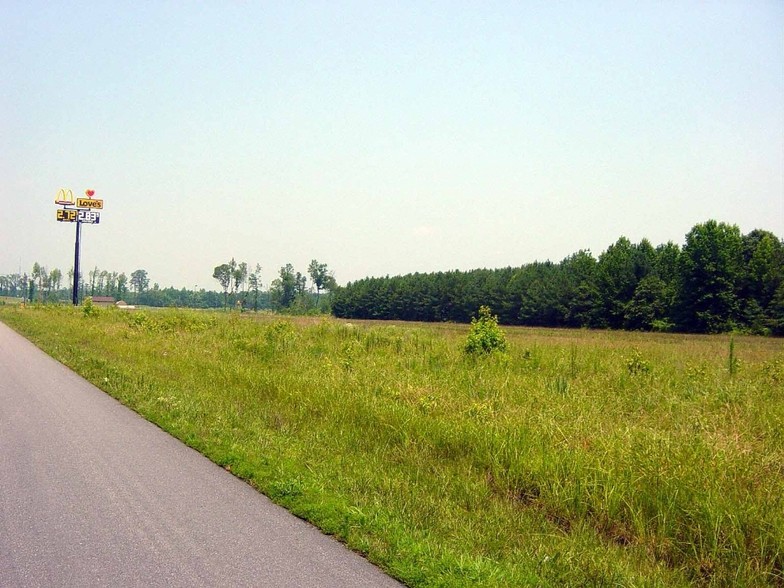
{"x": 582, "y": 458}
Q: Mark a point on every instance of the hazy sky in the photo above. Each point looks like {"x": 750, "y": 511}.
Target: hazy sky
{"x": 383, "y": 137}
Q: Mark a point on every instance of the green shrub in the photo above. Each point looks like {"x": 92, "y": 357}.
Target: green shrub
{"x": 662, "y": 326}
{"x": 88, "y": 308}
{"x": 485, "y": 335}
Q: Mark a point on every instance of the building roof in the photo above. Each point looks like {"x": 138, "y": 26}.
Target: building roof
{"x": 109, "y": 299}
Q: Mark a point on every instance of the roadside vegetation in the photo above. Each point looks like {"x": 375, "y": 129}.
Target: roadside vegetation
{"x": 556, "y": 457}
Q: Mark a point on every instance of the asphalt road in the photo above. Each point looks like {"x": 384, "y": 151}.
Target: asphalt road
{"x": 93, "y": 495}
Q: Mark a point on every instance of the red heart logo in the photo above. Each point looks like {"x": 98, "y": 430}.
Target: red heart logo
{"x": 89, "y": 193}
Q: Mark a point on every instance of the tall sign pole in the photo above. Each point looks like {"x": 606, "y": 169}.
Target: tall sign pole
{"x": 80, "y": 211}
{"x": 76, "y": 263}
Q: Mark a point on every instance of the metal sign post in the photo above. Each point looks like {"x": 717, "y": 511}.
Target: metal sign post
{"x": 76, "y": 264}
{"x": 85, "y": 211}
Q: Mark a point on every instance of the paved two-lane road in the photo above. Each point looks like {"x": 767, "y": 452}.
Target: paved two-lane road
{"x": 93, "y": 495}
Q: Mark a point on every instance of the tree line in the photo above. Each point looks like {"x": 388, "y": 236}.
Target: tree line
{"x": 43, "y": 286}
{"x": 241, "y": 287}
{"x": 720, "y": 280}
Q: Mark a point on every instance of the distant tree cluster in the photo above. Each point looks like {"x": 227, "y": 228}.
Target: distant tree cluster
{"x": 14, "y": 285}
{"x": 174, "y": 297}
{"x": 719, "y": 280}
{"x": 235, "y": 280}
{"x": 288, "y": 292}
{"x": 40, "y": 285}
{"x": 136, "y": 289}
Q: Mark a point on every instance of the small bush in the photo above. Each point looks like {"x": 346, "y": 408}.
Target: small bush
{"x": 138, "y": 319}
{"x": 662, "y": 326}
{"x": 485, "y": 335}
{"x": 88, "y": 308}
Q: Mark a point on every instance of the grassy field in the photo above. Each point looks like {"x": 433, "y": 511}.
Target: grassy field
{"x": 579, "y": 458}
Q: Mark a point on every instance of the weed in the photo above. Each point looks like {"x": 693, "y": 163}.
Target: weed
{"x": 773, "y": 370}
{"x": 287, "y": 488}
{"x": 350, "y": 352}
{"x": 636, "y": 365}
{"x": 732, "y": 360}
{"x": 280, "y": 335}
{"x": 573, "y": 361}
{"x": 481, "y": 411}
{"x": 559, "y": 385}
{"x": 696, "y": 372}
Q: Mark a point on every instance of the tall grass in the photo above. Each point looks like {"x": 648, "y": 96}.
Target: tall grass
{"x": 576, "y": 458}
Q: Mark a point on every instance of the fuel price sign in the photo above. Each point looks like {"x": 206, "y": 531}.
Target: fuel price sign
{"x": 91, "y": 217}
{"x": 67, "y": 215}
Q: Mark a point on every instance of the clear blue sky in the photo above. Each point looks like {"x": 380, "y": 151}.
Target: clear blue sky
{"x": 383, "y": 138}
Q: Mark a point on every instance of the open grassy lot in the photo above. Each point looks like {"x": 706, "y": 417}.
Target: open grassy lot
{"x": 583, "y": 458}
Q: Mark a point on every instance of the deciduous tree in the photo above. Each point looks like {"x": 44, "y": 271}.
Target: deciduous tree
{"x": 254, "y": 281}
{"x": 321, "y": 277}
{"x": 284, "y": 288}
{"x": 223, "y": 273}
{"x": 139, "y": 281}
{"x": 710, "y": 276}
